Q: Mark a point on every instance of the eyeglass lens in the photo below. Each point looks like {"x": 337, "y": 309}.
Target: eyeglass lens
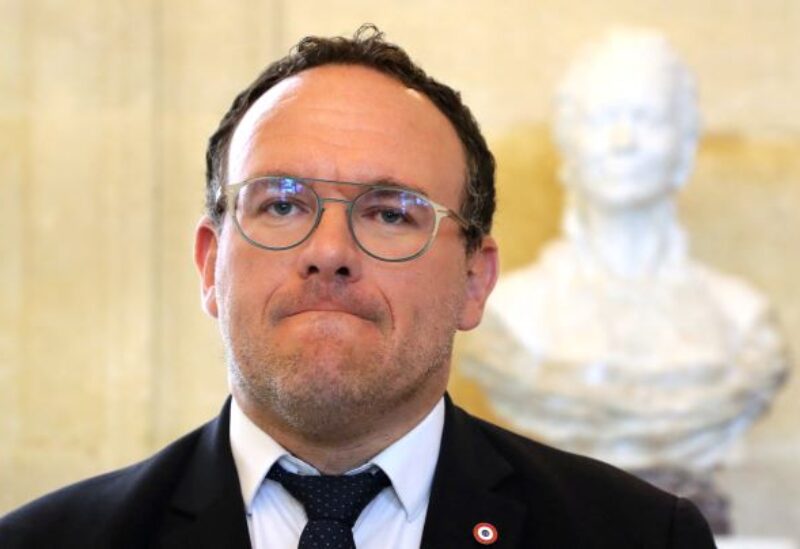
{"x": 279, "y": 213}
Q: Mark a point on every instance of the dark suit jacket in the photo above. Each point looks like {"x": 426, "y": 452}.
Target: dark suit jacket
{"x": 188, "y": 495}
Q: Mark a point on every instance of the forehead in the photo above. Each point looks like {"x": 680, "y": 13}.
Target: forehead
{"x": 639, "y": 79}
{"x": 348, "y": 123}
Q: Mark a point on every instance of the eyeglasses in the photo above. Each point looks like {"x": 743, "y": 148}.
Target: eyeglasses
{"x": 387, "y": 222}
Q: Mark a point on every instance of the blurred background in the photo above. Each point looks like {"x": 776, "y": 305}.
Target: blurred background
{"x": 105, "y": 108}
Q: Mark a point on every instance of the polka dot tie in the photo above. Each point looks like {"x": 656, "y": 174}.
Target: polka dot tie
{"x": 332, "y": 504}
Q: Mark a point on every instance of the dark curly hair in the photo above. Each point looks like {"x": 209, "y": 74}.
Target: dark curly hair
{"x": 369, "y": 49}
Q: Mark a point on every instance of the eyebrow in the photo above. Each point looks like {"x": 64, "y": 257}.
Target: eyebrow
{"x": 380, "y": 181}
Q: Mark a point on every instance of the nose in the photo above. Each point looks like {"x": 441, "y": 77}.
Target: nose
{"x": 330, "y": 252}
{"x": 623, "y": 136}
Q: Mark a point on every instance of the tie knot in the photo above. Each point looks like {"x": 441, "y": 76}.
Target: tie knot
{"x": 332, "y": 497}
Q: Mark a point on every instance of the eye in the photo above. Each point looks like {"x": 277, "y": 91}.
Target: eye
{"x": 389, "y": 217}
{"x": 392, "y": 208}
{"x": 392, "y": 216}
{"x": 280, "y": 208}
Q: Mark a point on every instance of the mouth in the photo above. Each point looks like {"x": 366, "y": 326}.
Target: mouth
{"x": 330, "y": 322}
{"x": 320, "y": 302}
{"x": 324, "y": 311}
{"x": 329, "y": 310}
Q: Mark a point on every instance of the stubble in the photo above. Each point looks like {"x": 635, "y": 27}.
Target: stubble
{"x": 332, "y": 389}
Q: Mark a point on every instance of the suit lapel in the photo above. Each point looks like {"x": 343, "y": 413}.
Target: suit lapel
{"x": 470, "y": 486}
{"x": 465, "y": 489}
{"x": 207, "y": 508}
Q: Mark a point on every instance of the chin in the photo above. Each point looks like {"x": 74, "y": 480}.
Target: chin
{"x": 315, "y": 384}
{"x": 329, "y": 405}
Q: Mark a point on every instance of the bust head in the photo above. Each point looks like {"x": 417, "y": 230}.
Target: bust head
{"x": 626, "y": 121}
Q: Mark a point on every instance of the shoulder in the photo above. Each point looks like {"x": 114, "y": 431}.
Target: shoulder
{"x": 566, "y": 473}
{"x": 598, "y": 504}
{"x": 556, "y": 261}
{"x": 740, "y": 302}
{"x": 522, "y": 297}
{"x": 117, "y": 502}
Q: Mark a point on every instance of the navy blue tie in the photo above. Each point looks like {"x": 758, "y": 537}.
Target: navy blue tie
{"x": 332, "y": 503}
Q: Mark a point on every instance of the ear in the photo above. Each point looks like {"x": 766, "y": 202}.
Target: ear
{"x": 482, "y": 271}
{"x": 206, "y": 242}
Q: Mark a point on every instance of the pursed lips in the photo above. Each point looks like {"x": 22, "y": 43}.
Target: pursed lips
{"x": 332, "y": 308}
{"x": 319, "y": 298}
{"x": 323, "y": 310}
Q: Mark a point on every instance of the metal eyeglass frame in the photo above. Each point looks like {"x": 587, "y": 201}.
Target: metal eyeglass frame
{"x": 231, "y": 193}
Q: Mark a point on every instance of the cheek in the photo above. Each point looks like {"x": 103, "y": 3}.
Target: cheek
{"x": 245, "y": 281}
{"x": 403, "y": 296}
{"x": 661, "y": 142}
{"x": 590, "y": 149}
{"x": 434, "y": 290}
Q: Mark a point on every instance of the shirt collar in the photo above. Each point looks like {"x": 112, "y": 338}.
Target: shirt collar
{"x": 254, "y": 453}
{"x": 409, "y": 462}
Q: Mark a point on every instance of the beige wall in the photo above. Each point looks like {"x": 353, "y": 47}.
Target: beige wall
{"x": 104, "y": 111}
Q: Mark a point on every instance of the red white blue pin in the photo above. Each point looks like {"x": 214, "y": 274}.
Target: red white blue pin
{"x": 485, "y": 533}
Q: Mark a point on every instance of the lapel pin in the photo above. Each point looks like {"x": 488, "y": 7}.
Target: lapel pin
{"x": 485, "y": 533}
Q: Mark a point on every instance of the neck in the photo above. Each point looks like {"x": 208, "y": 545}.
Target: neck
{"x": 342, "y": 448}
{"x": 630, "y": 242}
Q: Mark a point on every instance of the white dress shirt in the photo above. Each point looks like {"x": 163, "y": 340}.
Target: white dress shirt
{"x": 394, "y": 519}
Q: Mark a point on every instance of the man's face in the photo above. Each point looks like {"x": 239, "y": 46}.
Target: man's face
{"x": 626, "y": 147}
{"x": 322, "y": 338}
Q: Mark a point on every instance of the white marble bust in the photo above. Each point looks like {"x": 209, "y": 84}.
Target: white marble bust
{"x": 615, "y": 343}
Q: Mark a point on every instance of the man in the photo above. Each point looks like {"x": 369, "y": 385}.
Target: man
{"x": 349, "y": 203}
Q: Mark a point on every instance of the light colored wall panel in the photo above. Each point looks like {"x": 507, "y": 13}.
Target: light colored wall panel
{"x": 741, "y": 208}
{"x": 507, "y": 56}
{"x": 82, "y": 280}
{"x": 13, "y": 130}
